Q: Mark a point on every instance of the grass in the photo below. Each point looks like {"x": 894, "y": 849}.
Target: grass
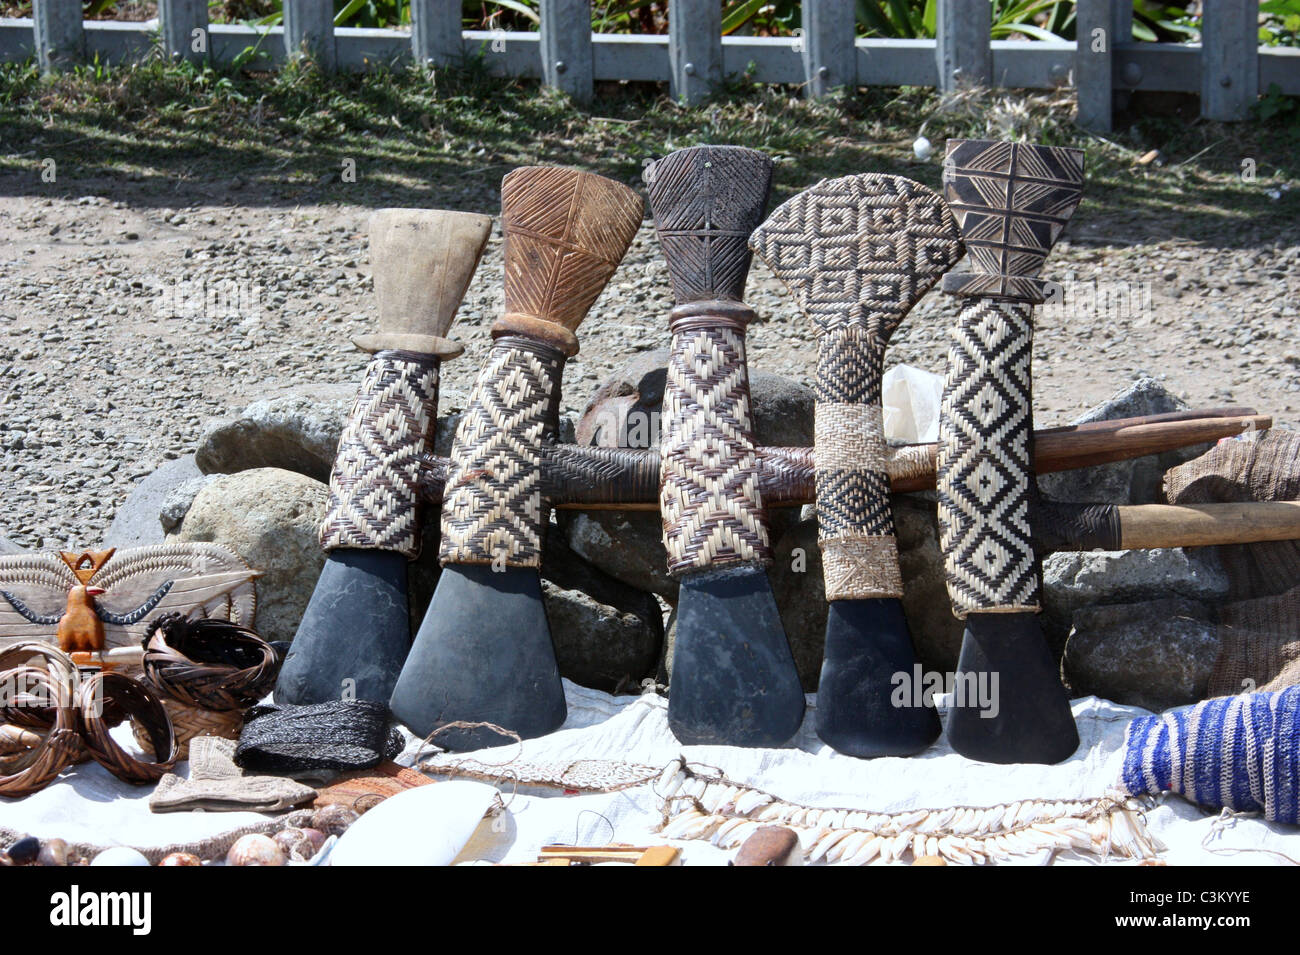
{"x": 445, "y": 138}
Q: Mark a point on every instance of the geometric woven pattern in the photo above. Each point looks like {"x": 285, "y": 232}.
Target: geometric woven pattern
{"x": 706, "y": 200}
{"x": 709, "y": 498}
{"x": 985, "y": 462}
{"x": 857, "y": 253}
{"x": 1011, "y": 200}
{"x": 375, "y": 479}
{"x": 492, "y": 507}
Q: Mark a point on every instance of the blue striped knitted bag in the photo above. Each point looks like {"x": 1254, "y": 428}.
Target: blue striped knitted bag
{"x": 1240, "y": 752}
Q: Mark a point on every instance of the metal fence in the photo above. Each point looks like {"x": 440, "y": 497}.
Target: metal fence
{"x": 1228, "y": 68}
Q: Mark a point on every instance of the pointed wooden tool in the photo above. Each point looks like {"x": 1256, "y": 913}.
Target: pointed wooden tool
{"x": 857, "y": 253}
{"x": 356, "y": 631}
{"x": 484, "y": 651}
{"x": 1011, "y": 202}
{"x": 734, "y": 678}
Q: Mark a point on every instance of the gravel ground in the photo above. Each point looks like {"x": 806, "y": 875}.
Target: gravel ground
{"x": 104, "y": 374}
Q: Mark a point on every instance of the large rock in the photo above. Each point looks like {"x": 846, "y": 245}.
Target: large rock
{"x": 625, "y": 411}
{"x": 1155, "y": 654}
{"x": 180, "y": 499}
{"x": 295, "y": 432}
{"x": 1136, "y": 481}
{"x": 137, "y": 522}
{"x": 270, "y": 517}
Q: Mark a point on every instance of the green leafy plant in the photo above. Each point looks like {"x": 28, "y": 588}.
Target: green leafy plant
{"x": 1281, "y": 24}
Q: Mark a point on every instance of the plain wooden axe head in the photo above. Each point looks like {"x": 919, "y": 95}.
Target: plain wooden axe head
{"x": 1011, "y": 201}
{"x": 706, "y": 200}
{"x": 566, "y": 232}
{"x": 422, "y": 261}
{"x": 860, "y": 250}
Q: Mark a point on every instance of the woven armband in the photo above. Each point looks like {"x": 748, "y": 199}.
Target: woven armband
{"x": 709, "y": 495}
{"x": 493, "y": 509}
{"x": 374, "y": 486}
{"x": 986, "y": 461}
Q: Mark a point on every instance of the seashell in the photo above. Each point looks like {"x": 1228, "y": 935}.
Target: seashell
{"x": 181, "y": 858}
{"x": 297, "y": 845}
{"x": 693, "y": 787}
{"x": 901, "y": 843}
{"x": 868, "y": 851}
{"x": 255, "y": 849}
{"x": 678, "y": 823}
{"x": 823, "y": 845}
{"x": 749, "y": 800}
{"x": 335, "y": 819}
{"x": 25, "y": 850}
{"x": 120, "y": 855}
{"x": 668, "y": 777}
{"x": 720, "y": 834}
{"x": 929, "y": 860}
{"x": 427, "y": 825}
{"x": 1009, "y": 817}
{"x": 848, "y": 847}
{"x": 53, "y": 852}
{"x": 738, "y": 835}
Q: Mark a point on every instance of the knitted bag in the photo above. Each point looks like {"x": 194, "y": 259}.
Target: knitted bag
{"x": 1236, "y": 752}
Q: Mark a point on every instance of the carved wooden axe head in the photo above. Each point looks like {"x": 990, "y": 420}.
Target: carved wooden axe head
{"x": 422, "y": 260}
{"x": 857, "y": 253}
{"x": 484, "y": 651}
{"x": 355, "y": 632}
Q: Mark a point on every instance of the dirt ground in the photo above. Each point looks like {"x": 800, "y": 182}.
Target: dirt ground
{"x": 133, "y": 313}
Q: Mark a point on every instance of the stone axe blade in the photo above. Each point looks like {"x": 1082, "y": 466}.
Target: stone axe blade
{"x": 1011, "y": 201}
{"x": 857, "y": 253}
{"x": 734, "y": 678}
{"x": 356, "y": 631}
{"x": 484, "y": 653}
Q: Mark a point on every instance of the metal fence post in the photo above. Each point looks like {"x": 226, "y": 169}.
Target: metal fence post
{"x": 566, "y": 47}
{"x": 435, "y": 31}
{"x": 694, "y": 48}
{"x": 961, "y": 43}
{"x": 829, "y": 59}
{"x": 60, "y": 39}
{"x": 309, "y": 27}
{"x": 1094, "y": 62}
{"x": 179, "y": 19}
{"x": 1229, "y": 58}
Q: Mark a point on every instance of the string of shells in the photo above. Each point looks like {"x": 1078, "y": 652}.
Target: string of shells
{"x": 705, "y": 805}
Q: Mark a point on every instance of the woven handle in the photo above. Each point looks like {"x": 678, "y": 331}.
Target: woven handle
{"x": 986, "y": 461}
{"x": 709, "y": 499}
{"x": 375, "y": 481}
{"x": 493, "y": 510}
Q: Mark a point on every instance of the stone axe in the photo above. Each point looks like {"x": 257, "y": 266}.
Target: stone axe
{"x": 734, "y": 678}
{"x": 857, "y": 253}
{"x": 1011, "y": 201}
{"x": 484, "y": 651}
{"x": 356, "y": 630}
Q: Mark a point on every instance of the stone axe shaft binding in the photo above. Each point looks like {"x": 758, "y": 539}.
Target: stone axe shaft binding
{"x": 734, "y": 678}
{"x": 484, "y": 653}
{"x": 1011, "y": 201}
{"x": 356, "y": 632}
{"x": 857, "y": 253}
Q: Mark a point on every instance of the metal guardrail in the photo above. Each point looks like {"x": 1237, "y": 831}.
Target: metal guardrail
{"x": 1228, "y": 69}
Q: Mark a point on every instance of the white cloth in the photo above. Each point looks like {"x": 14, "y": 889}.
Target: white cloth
{"x": 89, "y": 805}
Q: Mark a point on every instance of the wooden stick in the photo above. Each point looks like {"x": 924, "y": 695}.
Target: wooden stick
{"x": 1146, "y": 526}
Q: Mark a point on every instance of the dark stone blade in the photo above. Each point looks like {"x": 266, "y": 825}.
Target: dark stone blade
{"x": 484, "y": 655}
{"x": 1013, "y": 706}
{"x": 734, "y": 679}
{"x": 860, "y": 709}
{"x": 355, "y": 633}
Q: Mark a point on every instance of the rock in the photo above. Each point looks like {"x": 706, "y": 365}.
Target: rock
{"x": 1137, "y": 481}
{"x": 296, "y": 432}
{"x": 137, "y": 521}
{"x": 625, "y": 411}
{"x": 269, "y": 517}
{"x": 178, "y": 501}
{"x": 9, "y": 547}
{"x": 1155, "y": 654}
{"x": 936, "y": 632}
{"x": 796, "y": 575}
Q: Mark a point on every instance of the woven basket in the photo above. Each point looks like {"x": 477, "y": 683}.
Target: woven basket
{"x": 191, "y": 721}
